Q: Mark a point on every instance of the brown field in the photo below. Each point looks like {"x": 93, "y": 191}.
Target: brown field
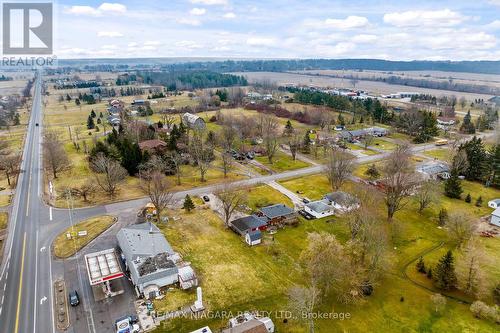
{"x": 373, "y": 87}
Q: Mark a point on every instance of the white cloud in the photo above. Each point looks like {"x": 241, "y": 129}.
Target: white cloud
{"x": 198, "y": 11}
{"x": 495, "y": 25}
{"x": 189, "y": 21}
{"x": 104, "y": 8}
{"x": 152, "y": 42}
{"x": 110, "y": 34}
{"x": 495, "y": 2}
{"x": 229, "y": 15}
{"x": 148, "y": 48}
{"x": 188, "y": 44}
{"x": 132, "y": 44}
{"x": 430, "y": 18}
{"x": 109, "y": 47}
{"x": 112, "y": 8}
{"x": 261, "y": 41}
{"x": 210, "y": 2}
{"x": 364, "y": 38}
{"x": 350, "y": 22}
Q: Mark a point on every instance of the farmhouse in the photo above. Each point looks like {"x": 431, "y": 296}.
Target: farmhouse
{"x": 495, "y": 217}
{"x": 495, "y": 203}
{"x": 342, "y": 201}
{"x": 193, "y": 121}
{"x": 278, "y": 215}
{"x": 319, "y": 208}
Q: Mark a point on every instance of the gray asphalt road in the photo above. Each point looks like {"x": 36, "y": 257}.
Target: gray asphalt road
{"x": 24, "y": 274}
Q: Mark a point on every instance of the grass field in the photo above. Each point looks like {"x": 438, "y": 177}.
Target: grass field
{"x": 3, "y": 220}
{"x": 235, "y": 277}
{"x": 281, "y": 162}
{"x": 64, "y": 247}
{"x": 261, "y": 196}
{"x": 4, "y": 200}
{"x": 440, "y": 154}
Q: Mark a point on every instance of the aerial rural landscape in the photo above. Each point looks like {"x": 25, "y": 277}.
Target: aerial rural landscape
{"x": 227, "y": 171}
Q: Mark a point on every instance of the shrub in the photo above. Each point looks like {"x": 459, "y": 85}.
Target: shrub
{"x": 468, "y": 198}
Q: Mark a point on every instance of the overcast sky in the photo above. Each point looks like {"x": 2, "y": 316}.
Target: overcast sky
{"x": 393, "y": 30}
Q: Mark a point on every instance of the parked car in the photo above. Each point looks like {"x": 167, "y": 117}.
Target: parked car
{"x": 206, "y": 198}
{"x": 36, "y": 124}
{"x": 74, "y": 300}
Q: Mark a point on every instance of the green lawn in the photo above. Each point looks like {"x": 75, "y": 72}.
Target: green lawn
{"x": 65, "y": 247}
{"x": 264, "y": 195}
{"x": 440, "y": 154}
{"x": 3, "y": 220}
{"x": 281, "y": 162}
{"x": 4, "y": 200}
{"x": 312, "y": 187}
{"x": 235, "y": 277}
{"x": 383, "y": 144}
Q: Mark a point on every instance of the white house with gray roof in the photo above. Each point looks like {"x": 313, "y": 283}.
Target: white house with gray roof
{"x": 319, "y": 208}
{"x": 147, "y": 256}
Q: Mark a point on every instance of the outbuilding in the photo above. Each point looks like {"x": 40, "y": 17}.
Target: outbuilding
{"x": 495, "y": 217}
{"x": 495, "y": 203}
{"x": 253, "y": 237}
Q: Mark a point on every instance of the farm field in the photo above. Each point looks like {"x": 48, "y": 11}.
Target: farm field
{"x": 370, "y": 86}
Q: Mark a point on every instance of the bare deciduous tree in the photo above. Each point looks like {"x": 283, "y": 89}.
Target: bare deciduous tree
{"x": 427, "y": 193}
{"x": 10, "y": 164}
{"x": 269, "y": 125}
{"x": 400, "y": 179}
{"x": 227, "y": 162}
{"x": 460, "y": 226}
{"x": 176, "y": 160}
{"x": 108, "y": 173}
{"x": 85, "y": 190}
{"x": 302, "y": 303}
{"x": 470, "y": 275}
{"x": 367, "y": 140}
{"x": 54, "y": 155}
{"x": 158, "y": 189}
{"x": 230, "y": 198}
{"x": 202, "y": 153}
{"x": 294, "y": 142}
{"x": 339, "y": 167}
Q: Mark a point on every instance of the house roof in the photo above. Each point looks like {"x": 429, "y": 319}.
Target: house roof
{"x": 251, "y": 326}
{"x": 186, "y": 273}
{"x": 152, "y": 144}
{"x": 255, "y": 235}
{"x": 142, "y": 240}
{"x": 276, "y": 210}
{"x": 433, "y": 168}
{"x": 248, "y": 222}
{"x": 319, "y": 206}
{"x": 496, "y": 201}
{"x": 341, "y": 198}
{"x": 496, "y": 212}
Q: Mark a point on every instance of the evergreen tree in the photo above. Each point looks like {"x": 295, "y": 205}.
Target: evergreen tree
{"x": 288, "y": 128}
{"x": 90, "y": 123}
{"x": 467, "y": 126}
{"x": 420, "y": 265}
{"x": 131, "y": 156}
{"x": 479, "y": 201}
{"x": 100, "y": 115}
{"x": 306, "y": 145}
{"x": 92, "y": 114}
{"x": 452, "y": 186}
{"x": 188, "y": 204}
{"x": 77, "y": 101}
{"x": 443, "y": 217}
{"x": 477, "y": 159}
{"x": 468, "y": 198}
{"x": 429, "y": 273}
{"x": 372, "y": 172}
{"x": 68, "y": 97}
{"x": 444, "y": 273}
{"x": 494, "y": 166}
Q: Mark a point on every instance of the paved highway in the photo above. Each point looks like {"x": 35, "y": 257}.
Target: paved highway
{"x": 21, "y": 282}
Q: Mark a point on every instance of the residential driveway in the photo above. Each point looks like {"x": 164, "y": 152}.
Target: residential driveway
{"x": 297, "y": 200}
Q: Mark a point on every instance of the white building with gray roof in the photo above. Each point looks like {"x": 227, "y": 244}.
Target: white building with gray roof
{"x": 148, "y": 258}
